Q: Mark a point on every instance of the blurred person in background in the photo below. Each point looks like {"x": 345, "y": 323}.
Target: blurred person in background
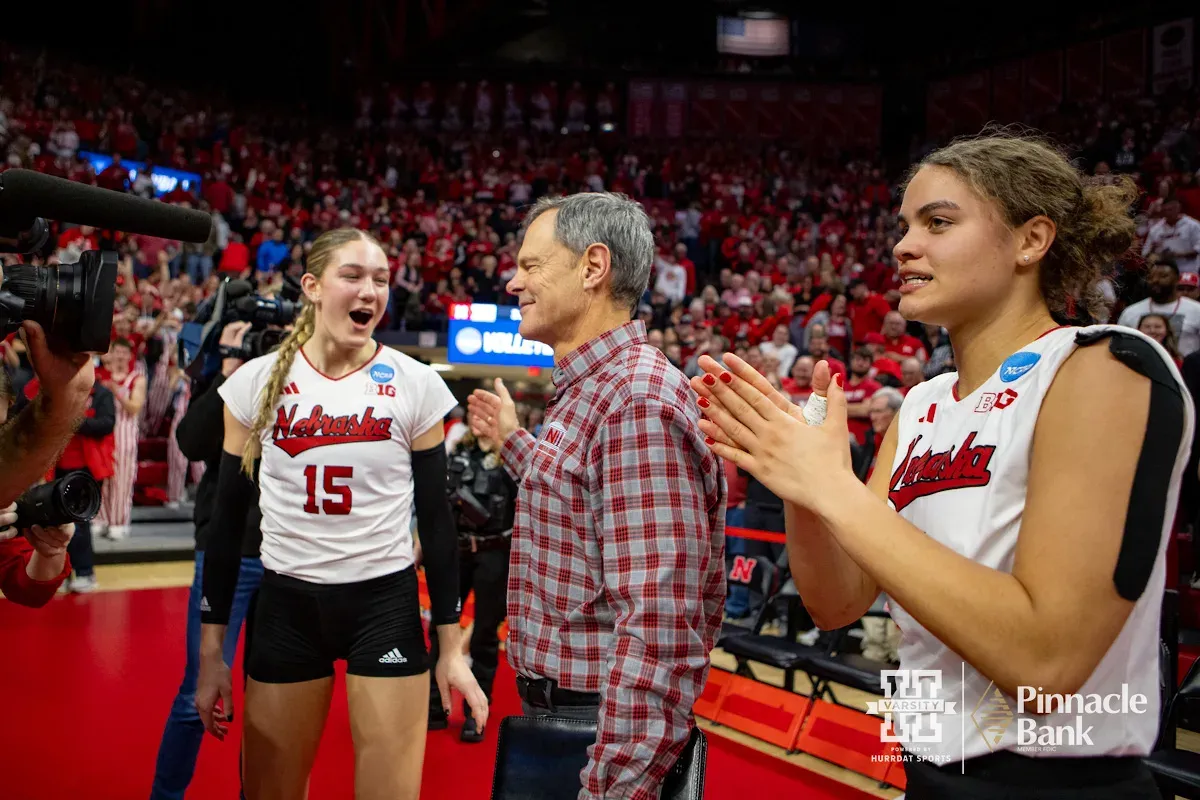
{"x": 1176, "y": 235}
{"x": 198, "y": 437}
{"x": 128, "y": 388}
{"x": 483, "y": 496}
{"x": 1181, "y": 313}
{"x": 1158, "y": 328}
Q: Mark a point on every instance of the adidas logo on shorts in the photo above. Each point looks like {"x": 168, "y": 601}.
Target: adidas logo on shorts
{"x": 393, "y": 657}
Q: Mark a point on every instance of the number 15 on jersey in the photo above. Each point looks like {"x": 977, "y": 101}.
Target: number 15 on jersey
{"x": 329, "y": 475}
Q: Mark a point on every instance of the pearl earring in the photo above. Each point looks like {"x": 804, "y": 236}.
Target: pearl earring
{"x": 1027, "y": 259}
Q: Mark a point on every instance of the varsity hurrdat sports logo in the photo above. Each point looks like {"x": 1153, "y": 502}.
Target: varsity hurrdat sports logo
{"x": 912, "y": 705}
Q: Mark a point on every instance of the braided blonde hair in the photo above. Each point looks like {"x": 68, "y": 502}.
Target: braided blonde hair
{"x": 319, "y": 257}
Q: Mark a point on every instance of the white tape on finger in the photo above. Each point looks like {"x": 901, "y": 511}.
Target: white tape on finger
{"x": 814, "y": 409}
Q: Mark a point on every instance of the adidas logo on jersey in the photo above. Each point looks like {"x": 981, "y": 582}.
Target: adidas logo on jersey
{"x": 291, "y": 388}
{"x": 294, "y": 436}
{"x": 393, "y": 656}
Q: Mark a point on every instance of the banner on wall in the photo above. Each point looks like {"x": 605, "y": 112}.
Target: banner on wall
{"x": 1172, "y": 56}
{"x": 674, "y": 107}
{"x": 641, "y": 108}
{"x": 1085, "y": 72}
{"x": 1125, "y": 64}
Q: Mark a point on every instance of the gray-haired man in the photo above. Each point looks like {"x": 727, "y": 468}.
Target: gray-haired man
{"x": 616, "y": 581}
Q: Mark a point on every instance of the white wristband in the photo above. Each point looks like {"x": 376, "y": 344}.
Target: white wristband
{"x": 814, "y": 409}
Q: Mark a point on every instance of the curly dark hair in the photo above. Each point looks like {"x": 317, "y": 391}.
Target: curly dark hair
{"x": 1027, "y": 176}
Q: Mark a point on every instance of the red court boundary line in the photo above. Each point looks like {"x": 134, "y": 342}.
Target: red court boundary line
{"x": 757, "y": 535}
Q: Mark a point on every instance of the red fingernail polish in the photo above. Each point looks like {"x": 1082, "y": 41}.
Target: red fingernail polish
{"x": 709, "y": 440}
{"x": 727, "y": 377}
{"x": 838, "y": 378}
{"x": 704, "y": 402}
{"x": 709, "y": 380}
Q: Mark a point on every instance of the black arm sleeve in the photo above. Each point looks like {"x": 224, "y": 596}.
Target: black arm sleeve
{"x": 439, "y": 536}
{"x": 205, "y": 414}
{"x": 223, "y": 554}
{"x": 104, "y": 416}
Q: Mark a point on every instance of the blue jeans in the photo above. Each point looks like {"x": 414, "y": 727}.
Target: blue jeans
{"x": 184, "y": 732}
{"x": 737, "y": 602}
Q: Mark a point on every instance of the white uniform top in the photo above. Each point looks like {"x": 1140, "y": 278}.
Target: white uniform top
{"x": 336, "y": 482}
{"x": 960, "y": 474}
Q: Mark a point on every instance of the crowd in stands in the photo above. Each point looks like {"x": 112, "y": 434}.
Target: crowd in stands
{"x": 762, "y": 251}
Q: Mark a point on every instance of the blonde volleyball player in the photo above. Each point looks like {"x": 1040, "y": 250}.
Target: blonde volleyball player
{"x": 1019, "y": 526}
{"x": 350, "y": 435}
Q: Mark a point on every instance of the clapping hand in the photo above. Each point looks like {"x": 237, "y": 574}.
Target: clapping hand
{"x": 763, "y": 433}
{"x": 493, "y": 416}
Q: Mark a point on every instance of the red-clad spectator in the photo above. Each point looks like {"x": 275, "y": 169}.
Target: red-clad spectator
{"x": 798, "y": 385}
{"x": 819, "y": 349}
{"x": 912, "y": 372}
{"x": 867, "y": 310}
{"x": 859, "y": 388}
{"x": 898, "y": 344}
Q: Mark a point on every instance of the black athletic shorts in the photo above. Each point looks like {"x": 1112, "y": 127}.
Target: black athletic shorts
{"x": 301, "y": 628}
{"x": 1005, "y": 775}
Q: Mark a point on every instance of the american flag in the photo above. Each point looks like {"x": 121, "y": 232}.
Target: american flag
{"x": 752, "y": 37}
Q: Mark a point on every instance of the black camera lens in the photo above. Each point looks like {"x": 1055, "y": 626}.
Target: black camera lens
{"x": 72, "y": 302}
{"x": 75, "y": 497}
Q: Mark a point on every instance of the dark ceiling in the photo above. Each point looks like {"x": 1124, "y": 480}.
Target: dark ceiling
{"x": 308, "y": 49}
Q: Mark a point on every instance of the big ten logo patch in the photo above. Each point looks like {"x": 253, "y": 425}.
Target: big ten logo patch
{"x": 380, "y": 389}
{"x": 997, "y": 400}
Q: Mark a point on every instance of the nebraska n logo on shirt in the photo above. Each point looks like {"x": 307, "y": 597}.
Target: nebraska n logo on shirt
{"x": 318, "y": 429}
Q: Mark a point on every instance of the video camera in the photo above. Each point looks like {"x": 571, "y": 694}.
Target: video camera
{"x": 235, "y": 301}
{"x": 74, "y": 302}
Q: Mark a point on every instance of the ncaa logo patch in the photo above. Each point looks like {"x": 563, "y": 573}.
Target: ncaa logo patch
{"x": 382, "y": 373}
{"x": 1017, "y": 365}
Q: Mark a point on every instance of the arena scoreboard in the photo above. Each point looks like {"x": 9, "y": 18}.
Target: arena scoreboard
{"x": 483, "y": 333}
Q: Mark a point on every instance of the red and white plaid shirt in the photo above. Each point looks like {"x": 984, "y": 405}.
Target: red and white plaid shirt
{"x": 617, "y": 580}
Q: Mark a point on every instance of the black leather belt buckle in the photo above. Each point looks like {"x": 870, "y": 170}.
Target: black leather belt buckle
{"x": 538, "y": 693}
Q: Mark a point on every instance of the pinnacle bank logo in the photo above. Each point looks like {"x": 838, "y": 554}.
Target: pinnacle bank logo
{"x": 914, "y": 711}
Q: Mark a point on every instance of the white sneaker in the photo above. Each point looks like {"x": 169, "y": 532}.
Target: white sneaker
{"x": 65, "y": 586}
{"x": 118, "y": 532}
{"x": 99, "y": 529}
{"x": 83, "y": 584}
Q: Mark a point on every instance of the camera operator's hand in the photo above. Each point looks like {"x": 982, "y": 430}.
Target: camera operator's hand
{"x": 8, "y": 523}
{"x": 66, "y": 378}
{"x": 51, "y": 541}
{"x": 232, "y": 337}
{"x": 493, "y": 415}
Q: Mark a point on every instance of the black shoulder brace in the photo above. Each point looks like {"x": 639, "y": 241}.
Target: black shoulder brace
{"x": 1152, "y": 481}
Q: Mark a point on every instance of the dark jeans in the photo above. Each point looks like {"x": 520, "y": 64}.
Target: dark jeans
{"x": 79, "y": 549}
{"x": 184, "y": 732}
{"x": 737, "y": 601}
{"x": 487, "y": 573}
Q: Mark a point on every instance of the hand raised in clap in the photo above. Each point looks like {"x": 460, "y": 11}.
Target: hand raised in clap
{"x": 764, "y": 433}
{"x": 492, "y": 416}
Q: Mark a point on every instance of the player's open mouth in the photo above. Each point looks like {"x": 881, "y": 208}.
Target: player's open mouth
{"x": 361, "y": 317}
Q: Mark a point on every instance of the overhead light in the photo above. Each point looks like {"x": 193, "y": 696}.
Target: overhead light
{"x": 442, "y": 367}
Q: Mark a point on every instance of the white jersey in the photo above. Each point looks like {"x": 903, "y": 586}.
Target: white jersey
{"x": 960, "y": 474}
{"x": 336, "y": 482}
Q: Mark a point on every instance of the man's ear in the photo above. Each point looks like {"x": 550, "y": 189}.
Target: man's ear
{"x": 597, "y": 264}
